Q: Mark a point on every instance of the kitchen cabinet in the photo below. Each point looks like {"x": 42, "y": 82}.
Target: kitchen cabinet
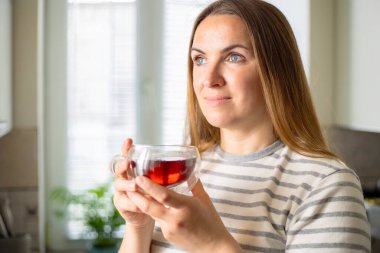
{"x": 5, "y": 67}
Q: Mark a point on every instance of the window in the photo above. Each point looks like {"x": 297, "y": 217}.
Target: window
{"x": 105, "y": 80}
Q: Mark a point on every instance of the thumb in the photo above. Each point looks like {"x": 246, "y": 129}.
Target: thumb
{"x": 200, "y": 193}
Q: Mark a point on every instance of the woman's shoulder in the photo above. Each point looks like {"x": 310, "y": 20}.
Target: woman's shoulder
{"x": 323, "y": 165}
{"x": 321, "y": 172}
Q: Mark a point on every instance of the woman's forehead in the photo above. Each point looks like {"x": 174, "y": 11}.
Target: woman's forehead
{"x": 218, "y": 30}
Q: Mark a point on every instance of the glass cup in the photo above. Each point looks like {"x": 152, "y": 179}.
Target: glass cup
{"x": 172, "y": 166}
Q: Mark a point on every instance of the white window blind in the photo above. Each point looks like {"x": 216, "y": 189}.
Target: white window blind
{"x": 179, "y": 16}
{"x": 102, "y": 83}
{"x": 101, "y": 86}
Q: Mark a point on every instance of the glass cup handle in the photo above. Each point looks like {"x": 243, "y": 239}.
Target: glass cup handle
{"x": 115, "y": 160}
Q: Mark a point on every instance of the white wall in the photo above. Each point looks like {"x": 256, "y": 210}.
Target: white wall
{"x": 5, "y": 67}
{"x": 339, "y": 43}
{"x": 322, "y": 68}
{"x": 298, "y": 15}
{"x": 25, "y": 63}
{"x": 313, "y": 24}
{"x": 357, "y": 94}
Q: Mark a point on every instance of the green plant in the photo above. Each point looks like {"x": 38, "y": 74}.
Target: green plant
{"x": 94, "y": 207}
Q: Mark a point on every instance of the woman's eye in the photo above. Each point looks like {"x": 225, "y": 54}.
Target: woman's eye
{"x": 199, "y": 60}
{"x": 235, "y": 58}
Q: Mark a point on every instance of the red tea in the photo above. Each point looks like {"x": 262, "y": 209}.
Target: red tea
{"x": 169, "y": 172}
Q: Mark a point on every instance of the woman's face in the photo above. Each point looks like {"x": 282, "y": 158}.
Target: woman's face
{"x": 225, "y": 74}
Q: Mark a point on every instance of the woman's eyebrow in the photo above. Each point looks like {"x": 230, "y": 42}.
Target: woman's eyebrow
{"x": 226, "y": 49}
{"x": 196, "y": 49}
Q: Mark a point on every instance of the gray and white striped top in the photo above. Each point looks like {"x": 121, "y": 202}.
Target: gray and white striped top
{"x": 276, "y": 200}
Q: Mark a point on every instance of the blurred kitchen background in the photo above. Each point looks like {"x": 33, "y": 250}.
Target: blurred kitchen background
{"x": 79, "y": 76}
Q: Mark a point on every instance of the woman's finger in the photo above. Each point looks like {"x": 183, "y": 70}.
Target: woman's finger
{"x": 121, "y": 168}
{"x": 126, "y": 146}
{"x": 124, "y": 204}
{"x": 200, "y": 193}
{"x": 160, "y": 193}
{"x": 148, "y": 205}
{"x": 124, "y": 185}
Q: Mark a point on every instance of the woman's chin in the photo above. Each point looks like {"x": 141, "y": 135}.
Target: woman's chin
{"x": 219, "y": 123}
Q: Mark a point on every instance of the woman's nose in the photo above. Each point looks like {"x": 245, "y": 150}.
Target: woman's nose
{"x": 213, "y": 76}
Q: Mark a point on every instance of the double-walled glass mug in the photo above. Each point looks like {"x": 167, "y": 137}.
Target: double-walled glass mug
{"x": 172, "y": 166}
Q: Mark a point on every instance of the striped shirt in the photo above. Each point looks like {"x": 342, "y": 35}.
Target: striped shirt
{"x": 276, "y": 200}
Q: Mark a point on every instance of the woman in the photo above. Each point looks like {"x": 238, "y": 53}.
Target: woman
{"x": 268, "y": 181}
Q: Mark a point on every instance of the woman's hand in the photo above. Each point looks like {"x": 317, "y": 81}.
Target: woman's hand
{"x": 191, "y": 223}
{"x": 123, "y": 188}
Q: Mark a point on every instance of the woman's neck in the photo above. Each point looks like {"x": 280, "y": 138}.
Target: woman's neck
{"x": 246, "y": 141}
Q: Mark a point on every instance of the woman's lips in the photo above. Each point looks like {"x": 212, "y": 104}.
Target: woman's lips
{"x": 216, "y": 100}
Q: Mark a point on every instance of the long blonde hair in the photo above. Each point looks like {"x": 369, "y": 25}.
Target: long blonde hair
{"x": 284, "y": 84}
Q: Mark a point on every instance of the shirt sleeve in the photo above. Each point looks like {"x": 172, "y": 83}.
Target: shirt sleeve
{"x": 332, "y": 218}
